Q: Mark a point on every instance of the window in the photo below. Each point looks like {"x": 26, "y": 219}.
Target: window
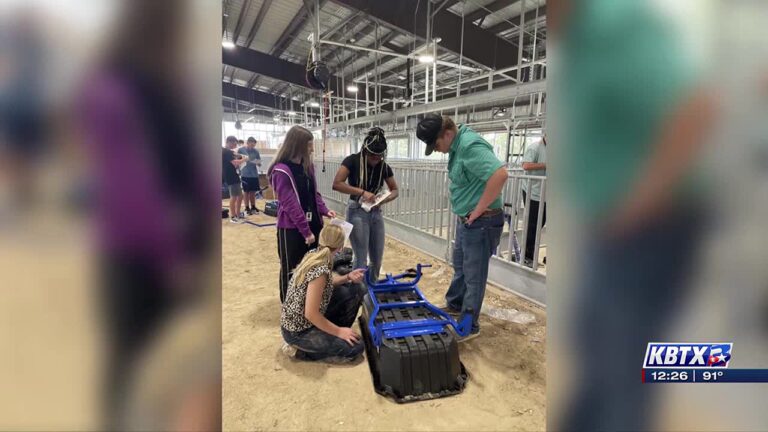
{"x": 272, "y": 134}
{"x": 397, "y": 147}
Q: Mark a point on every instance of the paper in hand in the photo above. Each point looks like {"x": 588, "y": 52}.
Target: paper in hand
{"x": 381, "y": 196}
{"x": 346, "y": 226}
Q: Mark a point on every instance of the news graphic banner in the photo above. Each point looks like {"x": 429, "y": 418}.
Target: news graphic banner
{"x": 687, "y": 362}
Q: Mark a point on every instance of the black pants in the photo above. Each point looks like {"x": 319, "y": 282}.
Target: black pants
{"x": 533, "y": 220}
{"x": 291, "y": 250}
{"x": 136, "y": 302}
{"x": 342, "y": 310}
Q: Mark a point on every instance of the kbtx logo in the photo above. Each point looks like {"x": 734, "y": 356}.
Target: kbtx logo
{"x": 687, "y": 355}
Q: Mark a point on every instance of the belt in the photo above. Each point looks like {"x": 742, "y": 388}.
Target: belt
{"x": 487, "y": 213}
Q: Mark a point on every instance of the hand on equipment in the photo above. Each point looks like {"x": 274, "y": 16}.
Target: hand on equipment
{"x": 356, "y": 276}
{"x": 348, "y": 335}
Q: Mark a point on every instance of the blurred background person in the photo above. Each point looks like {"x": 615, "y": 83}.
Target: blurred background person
{"x": 635, "y": 119}
{"x": 152, "y": 222}
{"x": 22, "y": 111}
{"x": 250, "y": 174}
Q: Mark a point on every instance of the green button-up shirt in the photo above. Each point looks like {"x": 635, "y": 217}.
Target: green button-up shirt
{"x": 471, "y": 162}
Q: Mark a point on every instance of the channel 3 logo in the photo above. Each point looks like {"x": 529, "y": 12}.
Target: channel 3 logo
{"x": 687, "y": 355}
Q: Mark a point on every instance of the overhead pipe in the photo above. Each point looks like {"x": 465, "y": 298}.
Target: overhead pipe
{"x": 394, "y": 54}
{"x": 493, "y": 97}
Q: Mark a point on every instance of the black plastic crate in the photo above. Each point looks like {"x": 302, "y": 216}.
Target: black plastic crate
{"x": 414, "y": 367}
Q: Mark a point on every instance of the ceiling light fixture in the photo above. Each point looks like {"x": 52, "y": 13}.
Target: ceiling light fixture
{"x": 352, "y": 88}
{"x": 314, "y": 104}
{"x": 291, "y": 113}
{"x": 227, "y": 44}
{"x": 426, "y": 59}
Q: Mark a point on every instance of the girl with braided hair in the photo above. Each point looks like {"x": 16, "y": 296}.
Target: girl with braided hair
{"x": 362, "y": 175}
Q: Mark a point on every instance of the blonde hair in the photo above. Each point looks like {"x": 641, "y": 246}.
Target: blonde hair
{"x": 296, "y": 144}
{"x": 331, "y": 238}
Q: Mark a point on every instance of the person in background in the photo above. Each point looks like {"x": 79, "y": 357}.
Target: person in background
{"x": 229, "y": 163}
{"x": 299, "y": 215}
{"x": 240, "y": 144}
{"x": 477, "y": 178}
{"x": 250, "y": 174}
{"x": 366, "y": 172}
{"x": 320, "y": 308}
{"x": 535, "y": 164}
{"x": 153, "y": 225}
{"x": 633, "y": 190}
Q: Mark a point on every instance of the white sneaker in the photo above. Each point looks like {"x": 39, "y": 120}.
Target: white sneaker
{"x": 288, "y": 350}
{"x": 234, "y": 220}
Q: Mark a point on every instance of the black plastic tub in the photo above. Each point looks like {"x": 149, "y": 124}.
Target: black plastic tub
{"x": 412, "y": 368}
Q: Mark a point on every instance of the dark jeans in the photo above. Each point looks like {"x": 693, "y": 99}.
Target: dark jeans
{"x": 291, "y": 250}
{"x": 533, "y": 220}
{"x": 628, "y": 291}
{"x": 471, "y": 257}
{"x": 342, "y": 311}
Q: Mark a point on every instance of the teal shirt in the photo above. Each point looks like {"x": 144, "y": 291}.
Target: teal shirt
{"x": 623, "y": 73}
{"x": 471, "y": 162}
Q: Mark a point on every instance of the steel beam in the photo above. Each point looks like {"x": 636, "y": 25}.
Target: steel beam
{"x": 254, "y": 97}
{"x": 271, "y": 66}
{"x": 481, "y": 46}
{"x": 489, "y": 9}
{"x": 257, "y": 24}
{"x": 241, "y": 20}
{"x": 498, "y": 95}
{"x": 515, "y": 22}
{"x": 290, "y": 32}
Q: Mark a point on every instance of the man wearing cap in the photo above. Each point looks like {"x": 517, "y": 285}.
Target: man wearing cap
{"x": 477, "y": 178}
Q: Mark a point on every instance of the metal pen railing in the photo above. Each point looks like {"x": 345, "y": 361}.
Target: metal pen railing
{"x": 424, "y": 204}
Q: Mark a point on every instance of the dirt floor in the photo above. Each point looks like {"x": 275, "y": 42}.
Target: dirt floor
{"x": 266, "y": 390}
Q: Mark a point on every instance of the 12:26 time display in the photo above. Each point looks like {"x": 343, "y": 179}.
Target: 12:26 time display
{"x": 670, "y": 375}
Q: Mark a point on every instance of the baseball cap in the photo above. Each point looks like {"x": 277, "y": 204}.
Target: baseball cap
{"x": 428, "y": 129}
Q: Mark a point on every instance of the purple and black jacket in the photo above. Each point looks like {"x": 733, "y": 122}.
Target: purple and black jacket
{"x": 290, "y": 214}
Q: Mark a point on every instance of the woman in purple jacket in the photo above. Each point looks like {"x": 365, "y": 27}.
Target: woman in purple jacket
{"x": 299, "y": 216}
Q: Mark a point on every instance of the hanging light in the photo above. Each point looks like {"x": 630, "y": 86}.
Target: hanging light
{"x": 426, "y": 58}
{"x": 352, "y": 88}
{"x": 314, "y": 104}
{"x": 291, "y": 113}
{"x": 227, "y": 44}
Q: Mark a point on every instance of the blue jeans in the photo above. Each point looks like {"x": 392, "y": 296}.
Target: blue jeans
{"x": 316, "y": 344}
{"x": 367, "y": 237}
{"x": 629, "y": 291}
{"x": 471, "y": 257}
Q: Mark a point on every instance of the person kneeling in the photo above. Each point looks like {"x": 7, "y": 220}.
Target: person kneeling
{"x": 320, "y": 308}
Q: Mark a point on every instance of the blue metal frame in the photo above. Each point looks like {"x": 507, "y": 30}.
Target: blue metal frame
{"x": 411, "y": 327}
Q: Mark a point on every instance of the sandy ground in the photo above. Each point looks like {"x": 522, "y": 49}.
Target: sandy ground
{"x": 264, "y": 389}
